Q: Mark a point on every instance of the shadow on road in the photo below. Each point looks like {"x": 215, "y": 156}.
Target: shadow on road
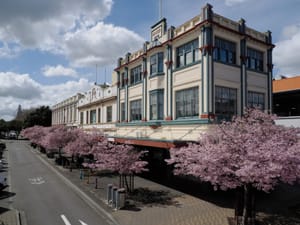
{"x": 6, "y": 194}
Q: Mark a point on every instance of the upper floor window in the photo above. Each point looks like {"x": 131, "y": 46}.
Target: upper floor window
{"x": 92, "y": 116}
{"x": 256, "y": 100}
{"x": 99, "y": 115}
{"x": 109, "y": 113}
{"x": 136, "y": 110}
{"x": 225, "y": 102}
{"x": 225, "y": 51}
{"x": 81, "y": 117}
{"x": 136, "y": 75}
{"x": 157, "y": 63}
{"x": 187, "y": 54}
{"x": 122, "y": 80}
{"x": 157, "y": 105}
{"x": 255, "y": 59}
{"x": 187, "y": 102}
{"x": 122, "y": 111}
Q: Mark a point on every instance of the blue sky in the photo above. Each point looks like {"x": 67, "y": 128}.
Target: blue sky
{"x": 49, "y": 49}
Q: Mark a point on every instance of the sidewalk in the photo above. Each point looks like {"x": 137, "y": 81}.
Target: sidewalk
{"x": 9, "y": 217}
{"x": 166, "y": 206}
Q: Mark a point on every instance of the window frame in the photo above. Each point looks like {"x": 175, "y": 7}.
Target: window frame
{"x": 157, "y": 64}
{"x": 186, "y": 107}
{"x": 93, "y": 116}
{"x": 136, "y": 75}
{"x": 191, "y": 47}
{"x": 136, "y": 110}
{"x": 158, "y": 96}
{"x": 253, "y": 96}
{"x": 109, "y": 113}
{"x": 255, "y": 59}
{"x": 225, "y": 101}
{"x": 224, "y": 51}
{"x": 122, "y": 112}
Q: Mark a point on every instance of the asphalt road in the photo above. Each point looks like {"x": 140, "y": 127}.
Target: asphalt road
{"x": 44, "y": 196}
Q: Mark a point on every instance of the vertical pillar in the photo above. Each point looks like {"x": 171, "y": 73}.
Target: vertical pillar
{"x": 118, "y": 97}
{"x": 126, "y": 95}
{"x": 144, "y": 86}
{"x": 207, "y": 64}
{"x": 270, "y": 71}
{"x": 243, "y": 58}
{"x": 169, "y": 76}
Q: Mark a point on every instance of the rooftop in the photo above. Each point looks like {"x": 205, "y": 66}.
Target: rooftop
{"x": 286, "y": 84}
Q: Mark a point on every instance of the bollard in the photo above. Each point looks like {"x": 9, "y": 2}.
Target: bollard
{"x": 120, "y": 198}
{"x": 81, "y": 174}
{"x": 109, "y": 194}
{"x": 96, "y": 183}
{"x": 114, "y": 197}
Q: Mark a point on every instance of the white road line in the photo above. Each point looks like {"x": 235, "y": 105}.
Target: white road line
{"x": 82, "y": 223}
{"x": 64, "y": 218}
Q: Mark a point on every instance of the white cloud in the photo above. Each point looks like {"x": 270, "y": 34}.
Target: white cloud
{"x": 59, "y": 70}
{"x": 287, "y": 51}
{"x": 18, "y": 86}
{"x": 101, "y": 44}
{"x": 20, "y": 89}
{"x": 72, "y": 30}
{"x": 234, "y": 2}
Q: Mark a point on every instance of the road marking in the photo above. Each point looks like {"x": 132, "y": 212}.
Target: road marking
{"x": 64, "y": 218}
{"x": 82, "y": 223}
{"x": 36, "y": 180}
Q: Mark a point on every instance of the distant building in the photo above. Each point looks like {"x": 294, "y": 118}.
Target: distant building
{"x": 66, "y": 112}
{"x": 286, "y": 96}
{"x": 185, "y": 78}
{"x": 97, "y": 108}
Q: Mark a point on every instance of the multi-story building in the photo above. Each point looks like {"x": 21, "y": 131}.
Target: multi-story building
{"x": 185, "y": 78}
{"x": 97, "y": 108}
{"x": 66, "y": 112}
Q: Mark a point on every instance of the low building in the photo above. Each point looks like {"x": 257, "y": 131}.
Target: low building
{"x": 66, "y": 112}
{"x": 209, "y": 68}
{"x": 97, "y": 109}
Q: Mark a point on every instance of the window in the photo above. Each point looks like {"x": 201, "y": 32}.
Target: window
{"x": 187, "y": 103}
{"x": 136, "y": 75}
{"x": 99, "y": 115}
{"x": 108, "y": 114}
{"x": 187, "y": 53}
{"x": 122, "y": 80}
{"x": 81, "y": 117}
{"x": 157, "y": 105}
{"x": 122, "y": 111}
{"x": 225, "y": 102}
{"x": 157, "y": 64}
{"x": 255, "y": 59}
{"x": 256, "y": 100}
{"x": 87, "y": 117}
{"x": 92, "y": 116}
{"x": 225, "y": 51}
{"x": 136, "y": 110}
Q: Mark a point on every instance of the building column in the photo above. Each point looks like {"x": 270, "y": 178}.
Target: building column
{"x": 144, "y": 86}
{"x": 243, "y": 58}
{"x": 169, "y": 76}
{"x": 207, "y": 64}
{"x": 126, "y": 95}
{"x": 118, "y": 98}
{"x": 270, "y": 71}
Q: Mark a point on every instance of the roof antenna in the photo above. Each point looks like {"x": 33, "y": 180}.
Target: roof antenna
{"x": 160, "y": 10}
{"x": 96, "y": 74}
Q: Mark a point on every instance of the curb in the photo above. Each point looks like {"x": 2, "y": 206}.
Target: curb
{"x": 110, "y": 220}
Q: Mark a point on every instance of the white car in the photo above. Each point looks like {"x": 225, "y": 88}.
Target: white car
{"x": 3, "y": 182}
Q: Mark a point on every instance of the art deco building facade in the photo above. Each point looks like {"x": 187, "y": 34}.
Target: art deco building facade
{"x": 66, "y": 112}
{"x": 185, "y": 78}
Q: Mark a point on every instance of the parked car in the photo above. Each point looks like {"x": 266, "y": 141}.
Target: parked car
{"x": 3, "y": 182}
{"x": 12, "y": 135}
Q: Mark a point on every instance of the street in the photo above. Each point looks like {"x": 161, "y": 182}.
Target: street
{"x": 42, "y": 194}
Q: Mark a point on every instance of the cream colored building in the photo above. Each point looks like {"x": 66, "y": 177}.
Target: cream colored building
{"x": 98, "y": 109}
{"x": 185, "y": 78}
{"x": 66, "y": 112}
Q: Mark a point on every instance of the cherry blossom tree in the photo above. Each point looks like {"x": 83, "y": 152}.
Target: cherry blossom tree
{"x": 250, "y": 152}
{"x": 35, "y": 134}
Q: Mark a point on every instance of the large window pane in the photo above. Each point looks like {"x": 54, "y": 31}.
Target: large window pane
{"x": 92, "y": 116}
{"x": 187, "y": 53}
{"x": 136, "y": 110}
{"x": 157, "y": 105}
{"x": 157, "y": 63}
{"x": 136, "y": 75}
{"x": 225, "y": 51}
{"x": 256, "y": 100}
{"x": 108, "y": 114}
{"x": 122, "y": 111}
{"x": 187, "y": 103}
{"x": 225, "y": 102}
{"x": 255, "y": 59}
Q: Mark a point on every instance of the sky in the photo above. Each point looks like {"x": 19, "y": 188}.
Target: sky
{"x": 51, "y": 50}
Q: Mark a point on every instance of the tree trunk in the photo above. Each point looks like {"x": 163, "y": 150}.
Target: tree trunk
{"x": 245, "y": 208}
